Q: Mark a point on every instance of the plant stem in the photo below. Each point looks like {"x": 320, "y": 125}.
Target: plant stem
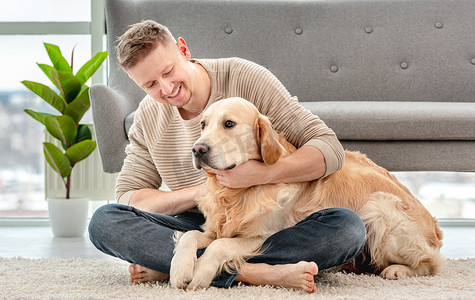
{"x": 68, "y": 186}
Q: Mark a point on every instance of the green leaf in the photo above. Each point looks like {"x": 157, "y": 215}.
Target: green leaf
{"x": 83, "y": 133}
{"x": 79, "y": 106}
{"x": 39, "y": 116}
{"x": 72, "y": 58}
{"x": 67, "y": 84}
{"x": 46, "y": 69}
{"x": 59, "y": 62}
{"x": 89, "y": 68}
{"x": 47, "y": 94}
{"x": 57, "y": 160}
{"x": 80, "y": 151}
{"x": 63, "y": 128}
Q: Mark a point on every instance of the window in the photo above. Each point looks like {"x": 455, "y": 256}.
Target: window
{"x": 25, "y": 51}
{"x": 444, "y": 194}
{"x": 24, "y": 26}
{"x": 45, "y": 11}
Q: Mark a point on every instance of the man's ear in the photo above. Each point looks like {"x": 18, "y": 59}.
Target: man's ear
{"x": 270, "y": 147}
{"x": 183, "y": 48}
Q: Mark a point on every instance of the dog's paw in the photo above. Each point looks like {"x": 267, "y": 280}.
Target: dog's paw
{"x": 181, "y": 271}
{"x": 396, "y": 272}
{"x": 205, "y": 272}
{"x": 199, "y": 283}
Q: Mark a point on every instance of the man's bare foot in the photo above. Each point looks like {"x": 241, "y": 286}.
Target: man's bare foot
{"x": 139, "y": 274}
{"x": 294, "y": 276}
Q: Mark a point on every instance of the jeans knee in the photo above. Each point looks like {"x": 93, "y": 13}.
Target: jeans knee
{"x": 354, "y": 230}
{"x": 100, "y": 222}
{"x": 351, "y": 228}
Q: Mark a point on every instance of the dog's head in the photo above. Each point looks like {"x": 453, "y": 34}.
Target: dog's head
{"x": 233, "y": 132}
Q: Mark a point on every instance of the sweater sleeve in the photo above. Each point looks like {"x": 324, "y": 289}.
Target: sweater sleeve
{"x": 299, "y": 126}
{"x": 138, "y": 171}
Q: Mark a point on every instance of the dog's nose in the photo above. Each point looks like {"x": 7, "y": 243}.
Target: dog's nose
{"x": 200, "y": 149}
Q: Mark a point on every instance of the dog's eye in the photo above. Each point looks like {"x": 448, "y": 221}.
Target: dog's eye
{"x": 203, "y": 125}
{"x": 228, "y": 124}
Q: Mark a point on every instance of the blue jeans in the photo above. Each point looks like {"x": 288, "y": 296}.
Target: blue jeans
{"x": 329, "y": 237}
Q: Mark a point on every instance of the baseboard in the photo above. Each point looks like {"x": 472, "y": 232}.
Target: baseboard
{"x": 456, "y": 222}
{"x": 24, "y": 222}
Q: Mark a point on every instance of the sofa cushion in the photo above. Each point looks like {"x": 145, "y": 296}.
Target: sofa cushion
{"x": 400, "y": 121}
{"x": 129, "y": 120}
{"x": 391, "y": 121}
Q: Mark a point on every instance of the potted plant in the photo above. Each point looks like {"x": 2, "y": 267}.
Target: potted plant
{"x": 72, "y": 102}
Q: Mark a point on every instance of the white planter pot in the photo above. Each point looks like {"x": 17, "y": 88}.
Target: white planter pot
{"x": 68, "y": 217}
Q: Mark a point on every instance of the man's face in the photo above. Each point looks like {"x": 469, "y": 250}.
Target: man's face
{"x": 165, "y": 74}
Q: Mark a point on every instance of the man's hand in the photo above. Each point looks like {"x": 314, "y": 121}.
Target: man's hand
{"x": 305, "y": 164}
{"x": 167, "y": 203}
{"x": 245, "y": 175}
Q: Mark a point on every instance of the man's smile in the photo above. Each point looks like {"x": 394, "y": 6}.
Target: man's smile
{"x": 175, "y": 94}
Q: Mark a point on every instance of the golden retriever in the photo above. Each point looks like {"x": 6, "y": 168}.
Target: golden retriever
{"x": 403, "y": 239}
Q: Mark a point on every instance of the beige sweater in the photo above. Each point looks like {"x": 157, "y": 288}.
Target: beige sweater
{"x": 161, "y": 141}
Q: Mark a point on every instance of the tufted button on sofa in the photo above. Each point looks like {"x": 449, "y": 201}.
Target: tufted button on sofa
{"x": 394, "y": 79}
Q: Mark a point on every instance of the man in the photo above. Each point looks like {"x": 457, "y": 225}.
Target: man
{"x": 141, "y": 227}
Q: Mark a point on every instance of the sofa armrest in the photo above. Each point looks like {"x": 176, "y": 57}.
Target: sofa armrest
{"x": 109, "y": 110}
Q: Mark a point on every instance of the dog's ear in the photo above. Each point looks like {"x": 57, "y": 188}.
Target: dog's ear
{"x": 270, "y": 147}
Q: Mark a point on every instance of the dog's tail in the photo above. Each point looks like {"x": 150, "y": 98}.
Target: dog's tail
{"x": 394, "y": 237}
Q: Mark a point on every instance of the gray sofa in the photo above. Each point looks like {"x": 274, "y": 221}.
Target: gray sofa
{"x": 394, "y": 79}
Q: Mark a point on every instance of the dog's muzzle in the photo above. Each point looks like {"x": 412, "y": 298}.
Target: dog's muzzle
{"x": 200, "y": 154}
{"x": 202, "y": 158}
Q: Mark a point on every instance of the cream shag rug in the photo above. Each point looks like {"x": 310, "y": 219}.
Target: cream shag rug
{"x": 75, "y": 278}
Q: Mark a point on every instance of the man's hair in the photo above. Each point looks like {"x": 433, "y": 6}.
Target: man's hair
{"x": 139, "y": 40}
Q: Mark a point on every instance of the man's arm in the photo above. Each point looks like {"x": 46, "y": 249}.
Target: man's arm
{"x": 138, "y": 184}
{"x": 305, "y": 164}
{"x": 165, "y": 202}
{"x": 139, "y": 181}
